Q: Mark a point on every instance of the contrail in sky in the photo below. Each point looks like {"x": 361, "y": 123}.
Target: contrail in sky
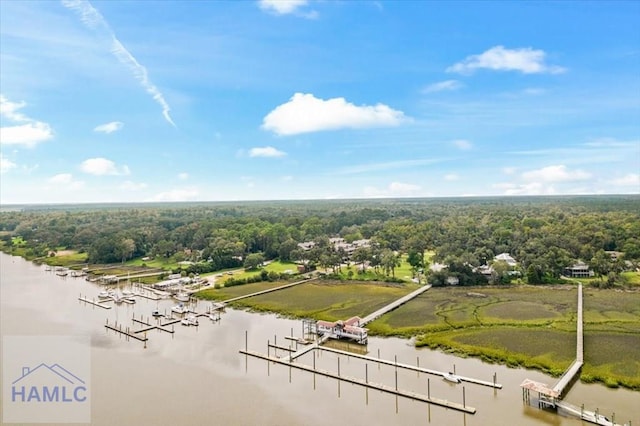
{"x": 95, "y": 21}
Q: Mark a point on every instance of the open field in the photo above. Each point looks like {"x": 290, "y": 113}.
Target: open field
{"x": 225, "y": 293}
{"x": 326, "y": 299}
{"x": 66, "y": 258}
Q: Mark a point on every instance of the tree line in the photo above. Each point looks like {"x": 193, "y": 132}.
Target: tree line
{"x": 544, "y": 234}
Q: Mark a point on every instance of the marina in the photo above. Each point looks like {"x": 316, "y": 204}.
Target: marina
{"x": 205, "y": 354}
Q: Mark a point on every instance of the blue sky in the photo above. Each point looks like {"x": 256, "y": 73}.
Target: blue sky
{"x": 121, "y": 101}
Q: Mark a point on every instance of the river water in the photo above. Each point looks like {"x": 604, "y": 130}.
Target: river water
{"x": 197, "y": 376}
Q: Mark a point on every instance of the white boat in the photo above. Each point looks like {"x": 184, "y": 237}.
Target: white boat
{"x": 105, "y": 294}
{"x": 156, "y": 313}
{"x": 189, "y": 320}
{"x": 451, "y": 377}
{"x": 180, "y": 309}
{"x": 117, "y": 297}
{"x": 127, "y": 293}
{"x": 182, "y": 297}
{"x": 214, "y": 317}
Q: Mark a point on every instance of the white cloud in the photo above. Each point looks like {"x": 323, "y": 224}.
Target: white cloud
{"x": 111, "y": 127}
{"x": 183, "y": 176}
{"x": 287, "y": 178}
{"x": 525, "y": 60}
{"x": 28, "y": 134}
{"x": 64, "y": 181}
{"x": 509, "y": 170}
{"x": 531, "y": 188}
{"x": 631, "y": 179}
{"x": 267, "y": 151}
{"x": 183, "y": 194}
{"x": 132, "y": 186}
{"x": 61, "y": 178}
{"x": 462, "y": 144}
{"x": 395, "y": 189}
{"x": 95, "y": 21}
{"x": 305, "y": 113}
{"x": 556, "y": 173}
{"x": 443, "y": 86}
{"x": 285, "y": 7}
{"x": 6, "y": 164}
{"x": 102, "y": 166}
{"x": 451, "y": 177}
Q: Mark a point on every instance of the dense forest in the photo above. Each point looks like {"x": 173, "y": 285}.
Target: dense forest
{"x": 544, "y": 234}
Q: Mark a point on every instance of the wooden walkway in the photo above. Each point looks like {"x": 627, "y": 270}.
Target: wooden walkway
{"x": 365, "y": 383}
{"x": 574, "y": 369}
{"x": 258, "y": 293}
{"x": 589, "y": 416}
{"x": 393, "y": 305}
{"x": 411, "y": 367}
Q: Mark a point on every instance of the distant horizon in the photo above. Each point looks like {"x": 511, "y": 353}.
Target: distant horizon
{"x": 131, "y": 101}
{"x": 319, "y": 200}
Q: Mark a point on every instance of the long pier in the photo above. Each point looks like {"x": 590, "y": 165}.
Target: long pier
{"x": 393, "y": 305}
{"x": 574, "y": 368}
{"x": 93, "y": 302}
{"x": 258, "y": 293}
{"x": 366, "y": 383}
{"x": 552, "y": 397}
{"x": 492, "y": 384}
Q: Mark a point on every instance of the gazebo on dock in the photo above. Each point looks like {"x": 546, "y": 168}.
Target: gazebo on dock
{"x": 547, "y": 396}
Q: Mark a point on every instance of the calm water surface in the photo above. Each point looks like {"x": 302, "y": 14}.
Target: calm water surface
{"x": 196, "y": 376}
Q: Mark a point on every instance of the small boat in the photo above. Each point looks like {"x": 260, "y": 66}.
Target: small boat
{"x": 127, "y": 293}
{"x": 156, "y": 313}
{"x": 451, "y": 377}
{"x": 189, "y": 320}
{"x": 105, "y": 294}
{"x": 181, "y": 297}
{"x": 180, "y": 309}
{"x": 214, "y": 317}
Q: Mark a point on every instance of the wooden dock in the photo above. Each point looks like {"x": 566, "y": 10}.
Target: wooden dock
{"x": 258, "y": 293}
{"x": 127, "y": 332}
{"x": 365, "y": 383}
{"x": 589, "y": 416}
{"x": 93, "y": 302}
{"x": 393, "y": 305}
{"x": 308, "y": 348}
{"x": 574, "y": 369}
{"x": 410, "y": 367}
{"x": 150, "y": 326}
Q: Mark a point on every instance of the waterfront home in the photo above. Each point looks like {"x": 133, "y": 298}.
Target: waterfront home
{"x": 578, "y": 270}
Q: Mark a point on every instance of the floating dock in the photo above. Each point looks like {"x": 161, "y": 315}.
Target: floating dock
{"x": 365, "y": 383}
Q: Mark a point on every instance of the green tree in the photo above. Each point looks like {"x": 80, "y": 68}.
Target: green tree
{"x": 253, "y": 260}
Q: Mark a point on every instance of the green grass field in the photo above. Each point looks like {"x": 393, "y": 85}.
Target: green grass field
{"x": 325, "y": 299}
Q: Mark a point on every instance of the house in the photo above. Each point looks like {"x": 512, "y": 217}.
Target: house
{"x": 453, "y": 280}
{"x": 437, "y": 267}
{"x": 506, "y": 257}
{"x": 307, "y": 245}
{"x": 578, "y": 270}
{"x": 349, "y": 329}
